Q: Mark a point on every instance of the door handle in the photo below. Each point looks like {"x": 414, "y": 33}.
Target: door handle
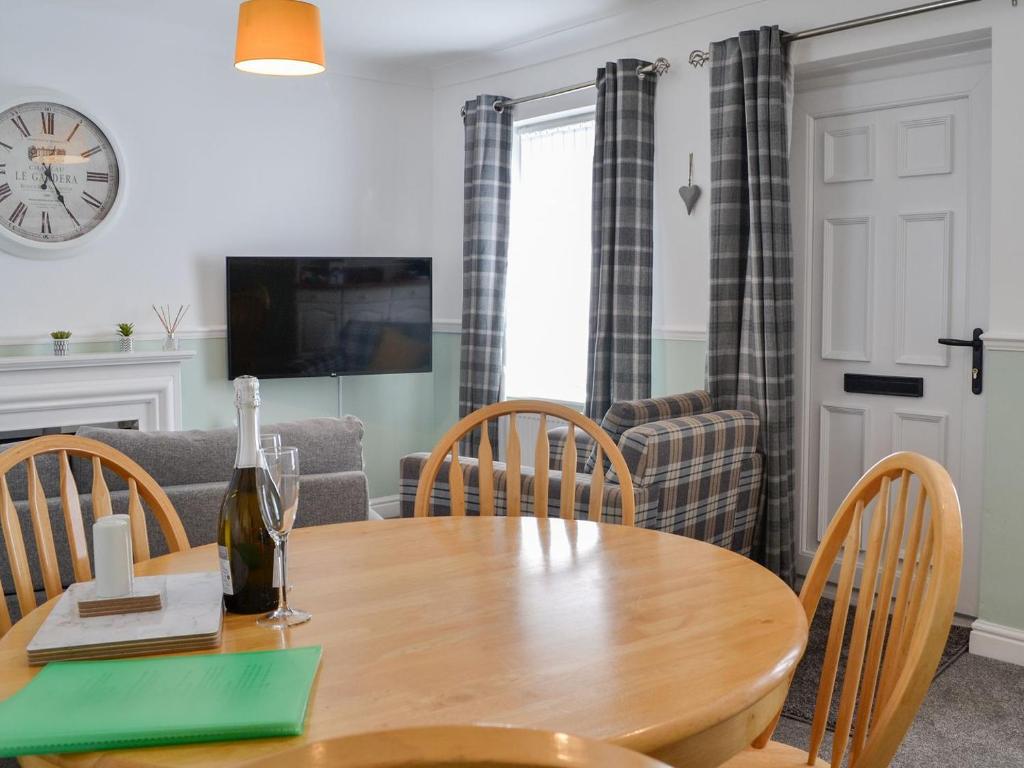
{"x": 977, "y": 344}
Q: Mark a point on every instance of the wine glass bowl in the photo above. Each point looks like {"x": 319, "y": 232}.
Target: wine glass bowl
{"x": 278, "y": 510}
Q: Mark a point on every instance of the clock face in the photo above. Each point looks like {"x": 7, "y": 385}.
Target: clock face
{"x": 58, "y": 173}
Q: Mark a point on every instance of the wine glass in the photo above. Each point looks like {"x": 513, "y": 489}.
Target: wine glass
{"x": 283, "y": 470}
{"x": 270, "y": 441}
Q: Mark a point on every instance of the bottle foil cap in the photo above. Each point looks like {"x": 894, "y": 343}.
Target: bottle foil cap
{"x": 247, "y": 391}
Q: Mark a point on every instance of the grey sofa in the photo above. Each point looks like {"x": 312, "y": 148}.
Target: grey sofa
{"x": 193, "y": 467}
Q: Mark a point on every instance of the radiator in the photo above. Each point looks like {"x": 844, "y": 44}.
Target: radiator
{"x": 528, "y": 425}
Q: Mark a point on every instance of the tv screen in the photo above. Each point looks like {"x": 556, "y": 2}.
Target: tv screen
{"x": 293, "y": 317}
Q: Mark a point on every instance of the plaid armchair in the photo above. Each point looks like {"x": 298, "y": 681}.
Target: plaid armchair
{"x": 702, "y": 466}
{"x": 696, "y": 471}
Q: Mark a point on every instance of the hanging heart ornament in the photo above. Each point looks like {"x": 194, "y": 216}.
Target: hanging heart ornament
{"x": 691, "y": 192}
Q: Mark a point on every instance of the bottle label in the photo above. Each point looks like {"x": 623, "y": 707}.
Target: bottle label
{"x": 225, "y": 571}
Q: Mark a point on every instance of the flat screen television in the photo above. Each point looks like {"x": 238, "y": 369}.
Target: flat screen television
{"x": 298, "y": 317}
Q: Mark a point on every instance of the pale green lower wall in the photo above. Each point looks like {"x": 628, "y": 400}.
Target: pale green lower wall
{"x": 402, "y": 413}
{"x": 405, "y": 413}
{"x": 1002, "y": 534}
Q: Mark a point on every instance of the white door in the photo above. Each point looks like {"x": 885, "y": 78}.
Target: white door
{"x": 890, "y": 180}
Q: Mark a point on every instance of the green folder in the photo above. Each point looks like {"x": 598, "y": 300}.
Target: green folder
{"x": 81, "y": 706}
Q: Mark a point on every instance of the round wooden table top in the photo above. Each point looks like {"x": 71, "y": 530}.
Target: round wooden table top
{"x": 660, "y": 643}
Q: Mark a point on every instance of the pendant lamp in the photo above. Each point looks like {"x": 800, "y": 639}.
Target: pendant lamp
{"x": 279, "y": 37}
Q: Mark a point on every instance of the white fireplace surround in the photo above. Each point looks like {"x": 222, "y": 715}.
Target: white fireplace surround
{"x": 92, "y": 388}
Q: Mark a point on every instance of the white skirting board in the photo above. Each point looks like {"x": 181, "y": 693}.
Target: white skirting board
{"x": 994, "y": 641}
{"x": 385, "y": 507}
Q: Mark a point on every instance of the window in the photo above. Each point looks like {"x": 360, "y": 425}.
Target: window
{"x": 548, "y": 284}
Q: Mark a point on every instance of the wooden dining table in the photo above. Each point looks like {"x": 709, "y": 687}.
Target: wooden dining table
{"x": 656, "y": 642}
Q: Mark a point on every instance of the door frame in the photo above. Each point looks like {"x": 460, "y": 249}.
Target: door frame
{"x": 863, "y": 68}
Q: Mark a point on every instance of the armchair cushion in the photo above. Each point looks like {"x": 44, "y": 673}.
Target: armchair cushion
{"x": 626, "y": 414}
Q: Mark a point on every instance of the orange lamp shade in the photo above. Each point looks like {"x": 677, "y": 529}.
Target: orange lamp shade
{"x": 279, "y": 37}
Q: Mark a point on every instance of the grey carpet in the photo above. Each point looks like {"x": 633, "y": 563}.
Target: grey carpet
{"x": 804, "y": 691}
{"x": 973, "y": 717}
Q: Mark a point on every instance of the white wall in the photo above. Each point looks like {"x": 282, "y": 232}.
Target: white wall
{"x": 682, "y": 124}
{"x": 218, "y": 162}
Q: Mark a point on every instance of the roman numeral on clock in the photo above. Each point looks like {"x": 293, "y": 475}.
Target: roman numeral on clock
{"x": 91, "y": 152}
{"x": 19, "y": 123}
{"x": 97, "y": 176}
{"x": 73, "y": 131}
{"x": 3, "y": 169}
{"x": 5, "y": 192}
{"x": 18, "y": 217}
{"x": 5, "y": 146}
{"x": 47, "y": 118}
{"x": 91, "y": 200}
{"x": 44, "y": 224}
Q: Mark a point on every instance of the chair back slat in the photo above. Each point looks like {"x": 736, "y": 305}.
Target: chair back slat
{"x": 73, "y": 523}
{"x": 567, "y": 496}
{"x": 486, "y": 463}
{"x": 878, "y": 629}
{"x": 43, "y": 532}
{"x": 834, "y": 646}
{"x": 903, "y": 614}
{"x": 513, "y": 469}
{"x": 569, "y": 458}
{"x": 861, "y": 624}
{"x": 137, "y": 520}
{"x": 597, "y": 488}
{"x": 542, "y": 457}
{"x": 456, "y": 487}
{"x": 891, "y": 663}
{"x": 101, "y": 506}
{"x": 16, "y": 554}
{"x": 142, "y": 490}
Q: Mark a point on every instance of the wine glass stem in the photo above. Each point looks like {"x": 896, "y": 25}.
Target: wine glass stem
{"x": 283, "y": 551}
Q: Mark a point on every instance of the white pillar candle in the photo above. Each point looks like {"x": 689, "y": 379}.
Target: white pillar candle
{"x": 111, "y": 541}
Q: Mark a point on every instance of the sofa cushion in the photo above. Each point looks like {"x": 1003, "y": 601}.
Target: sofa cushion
{"x": 17, "y": 476}
{"x": 207, "y": 456}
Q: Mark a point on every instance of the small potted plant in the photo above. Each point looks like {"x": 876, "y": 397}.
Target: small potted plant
{"x": 124, "y": 335}
{"x": 60, "y": 342}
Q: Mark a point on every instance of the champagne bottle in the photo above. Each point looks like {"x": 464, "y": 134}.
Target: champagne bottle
{"x": 246, "y": 549}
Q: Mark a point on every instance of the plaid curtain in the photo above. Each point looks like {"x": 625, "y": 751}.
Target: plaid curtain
{"x": 750, "y": 329}
{"x": 487, "y": 182}
{"x": 622, "y": 238}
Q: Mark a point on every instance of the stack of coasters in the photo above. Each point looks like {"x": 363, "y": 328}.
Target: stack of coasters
{"x": 147, "y": 595}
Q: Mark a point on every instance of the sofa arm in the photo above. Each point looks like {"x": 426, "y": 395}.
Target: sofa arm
{"x": 440, "y": 500}
{"x": 705, "y": 471}
{"x": 557, "y": 440}
{"x": 673, "y": 448}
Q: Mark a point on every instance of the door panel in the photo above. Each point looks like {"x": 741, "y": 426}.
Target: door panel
{"x": 890, "y": 259}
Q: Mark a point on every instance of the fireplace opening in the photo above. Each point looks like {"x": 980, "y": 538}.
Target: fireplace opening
{"x": 19, "y": 435}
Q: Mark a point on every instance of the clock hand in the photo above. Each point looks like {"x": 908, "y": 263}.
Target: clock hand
{"x": 60, "y": 198}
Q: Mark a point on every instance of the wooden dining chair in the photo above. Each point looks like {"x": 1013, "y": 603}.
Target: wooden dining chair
{"x": 908, "y": 508}
{"x": 142, "y": 489}
{"x": 452, "y": 746}
{"x": 448, "y": 446}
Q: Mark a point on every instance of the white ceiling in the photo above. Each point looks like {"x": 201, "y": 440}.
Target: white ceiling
{"x": 437, "y": 33}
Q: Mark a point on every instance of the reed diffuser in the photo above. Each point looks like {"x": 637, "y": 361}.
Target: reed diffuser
{"x": 170, "y": 323}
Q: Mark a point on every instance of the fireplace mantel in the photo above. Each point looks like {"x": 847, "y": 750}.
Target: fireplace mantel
{"x": 92, "y": 388}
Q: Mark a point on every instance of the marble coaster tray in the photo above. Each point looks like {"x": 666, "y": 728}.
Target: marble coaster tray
{"x": 193, "y": 612}
{"x": 145, "y": 649}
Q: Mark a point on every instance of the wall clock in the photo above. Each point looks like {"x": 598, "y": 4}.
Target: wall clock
{"x": 60, "y": 178}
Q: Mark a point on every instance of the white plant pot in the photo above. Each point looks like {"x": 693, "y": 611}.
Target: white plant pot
{"x": 127, "y": 343}
{"x": 60, "y": 347}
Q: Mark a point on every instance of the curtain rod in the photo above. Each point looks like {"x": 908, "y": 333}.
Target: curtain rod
{"x": 660, "y": 66}
{"x": 699, "y": 58}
